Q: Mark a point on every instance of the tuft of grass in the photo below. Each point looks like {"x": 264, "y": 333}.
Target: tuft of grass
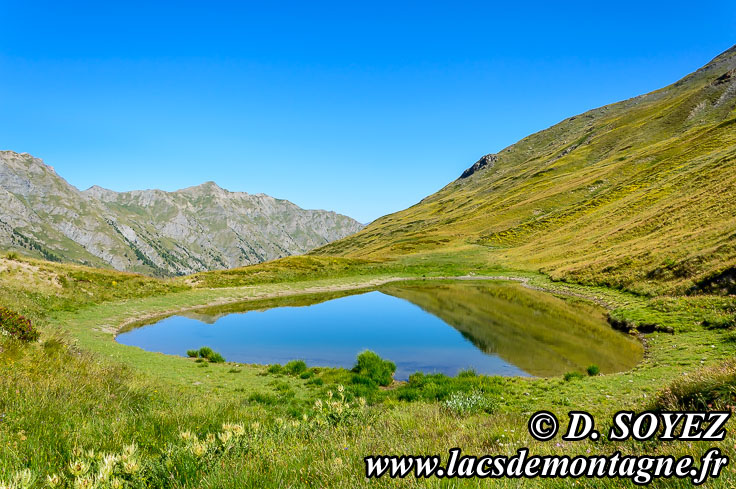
{"x": 709, "y": 388}
{"x": 295, "y": 367}
{"x": 375, "y": 368}
{"x": 572, "y": 376}
{"x": 275, "y": 369}
{"x": 206, "y": 354}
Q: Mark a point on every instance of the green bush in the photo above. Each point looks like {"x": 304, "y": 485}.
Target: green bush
{"x": 275, "y": 369}
{"x": 262, "y": 398}
{"x": 593, "y": 370}
{"x": 370, "y": 365}
{"x": 216, "y": 358}
{"x": 206, "y": 353}
{"x": 306, "y": 375}
{"x": 16, "y": 326}
{"x": 295, "y": 367}
{"x": 572, "y": 376}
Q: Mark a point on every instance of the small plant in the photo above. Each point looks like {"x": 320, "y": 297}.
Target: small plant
{"x": 16, "y": 326}
{"x": 295, "y": 367}
{"x": 464, "y": 404}
{"x": 216, "y": 358}
{"x": 464, "y": 374}
{"x": 336, "y": 409}
{"x": 370, "y": 365}
{"x": 593, "y": 370}
{"x": 306, "y": 374}
{"x": 206, "y": 354}
{"x": 275, "y": 369}
{"x": 261, "y": 398}
{"x": 573, "y": 376}
{"x": 12, "y": 255}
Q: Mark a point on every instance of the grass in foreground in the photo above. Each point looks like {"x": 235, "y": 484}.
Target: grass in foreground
{"x": 94, "y": 394}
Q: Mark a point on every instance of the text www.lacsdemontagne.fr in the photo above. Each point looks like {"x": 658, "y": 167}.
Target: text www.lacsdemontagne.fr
{"x": 639, "y": 469}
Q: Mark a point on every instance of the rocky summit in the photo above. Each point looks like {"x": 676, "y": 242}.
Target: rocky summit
{"x": 151, "y": 231}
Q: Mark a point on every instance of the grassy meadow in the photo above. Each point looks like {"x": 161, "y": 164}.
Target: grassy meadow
{"x": 78, "y": 408}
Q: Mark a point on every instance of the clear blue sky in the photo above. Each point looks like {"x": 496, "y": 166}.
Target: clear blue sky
{"x": 363, "y": 108}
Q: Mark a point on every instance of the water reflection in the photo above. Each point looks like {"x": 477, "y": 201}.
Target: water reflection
{"x": 497, "y": 328}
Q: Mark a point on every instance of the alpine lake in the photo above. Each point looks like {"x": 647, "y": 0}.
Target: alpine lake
{"x": 493, "y": 327}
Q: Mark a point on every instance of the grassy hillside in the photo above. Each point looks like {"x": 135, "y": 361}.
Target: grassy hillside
{"x": 639, "y": 194}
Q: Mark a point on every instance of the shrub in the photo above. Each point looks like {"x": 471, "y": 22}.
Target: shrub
{"x": 295, "y": 367}
{"x": 359, "y": 379}
{"x": 369, "y": 364}
{"x": 206, "y": 353}
{"x": 262, "y": 398}
{"x": 593, "y": 370}
{"x": 216, "y": 358}
{"x": 275, "y": 369}
{"x": 572, "y": 376}
{"x": 306, "y": 375}
{"x": 16, "y": 326}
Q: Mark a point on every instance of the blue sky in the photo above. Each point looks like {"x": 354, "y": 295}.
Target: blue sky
{"x": 362, "y": 108}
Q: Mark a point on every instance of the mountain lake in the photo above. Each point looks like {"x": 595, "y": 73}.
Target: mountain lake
{"x": 492, "y": 327}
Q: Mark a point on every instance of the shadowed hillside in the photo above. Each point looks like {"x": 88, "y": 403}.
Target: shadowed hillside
{"x": 639, "y": 194}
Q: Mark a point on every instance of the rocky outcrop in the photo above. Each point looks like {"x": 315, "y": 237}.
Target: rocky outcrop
{"x": 485, "y": 162}
{"x": 151, "y": 231}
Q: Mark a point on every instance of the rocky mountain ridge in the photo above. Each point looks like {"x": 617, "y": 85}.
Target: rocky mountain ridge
{"x": 152, "y": 231}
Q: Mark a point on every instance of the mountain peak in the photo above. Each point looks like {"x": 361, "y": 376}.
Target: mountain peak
{"x": 100, "y": 192}
{"x": 206, "y": 187}
{"x": 152, "y": 231}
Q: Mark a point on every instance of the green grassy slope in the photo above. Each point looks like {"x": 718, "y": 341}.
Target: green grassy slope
{"x": 639, "y": 194}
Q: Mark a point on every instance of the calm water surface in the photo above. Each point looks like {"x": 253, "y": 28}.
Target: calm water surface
{"x": 494, "y": 328}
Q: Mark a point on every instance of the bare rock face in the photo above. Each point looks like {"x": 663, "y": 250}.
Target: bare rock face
{"x": 485, "y": 162}
{"x": 151, "y": 231}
